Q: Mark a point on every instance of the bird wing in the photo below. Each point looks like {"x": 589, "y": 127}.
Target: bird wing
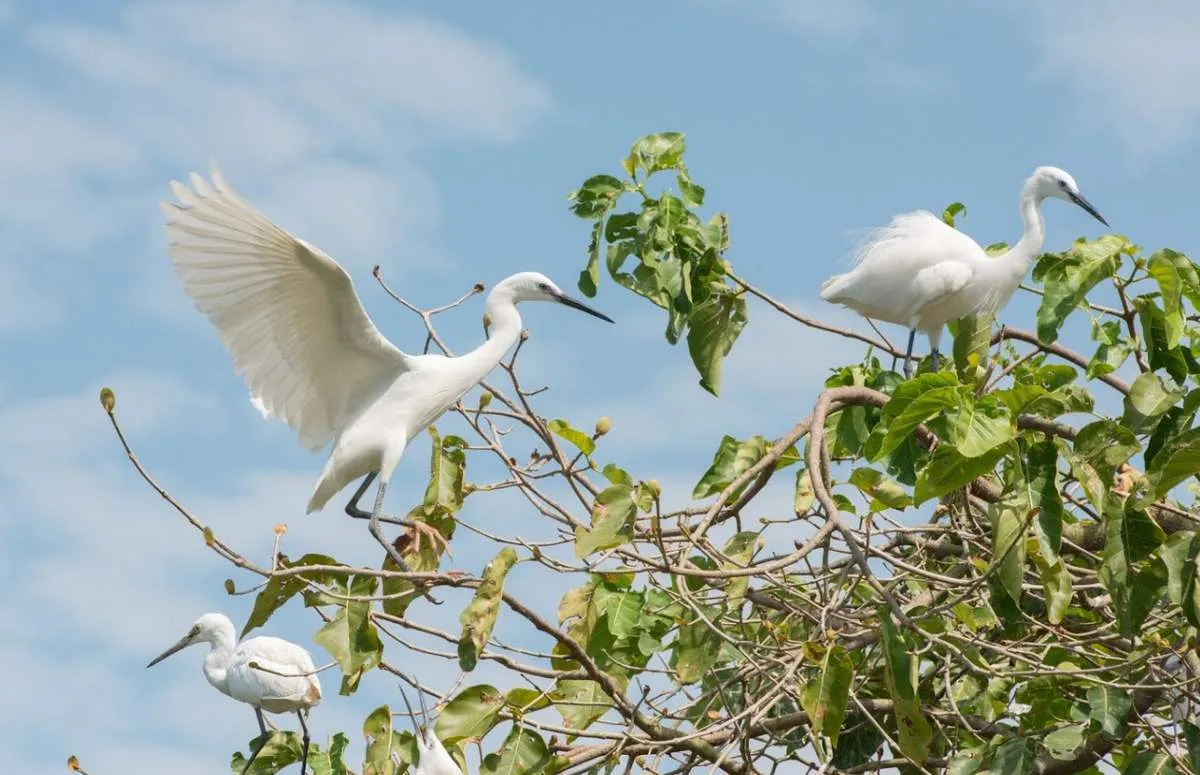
{"x": 263, "y": 683}
{"x": 286, "y": 311}
{"x": 904, "y": 266}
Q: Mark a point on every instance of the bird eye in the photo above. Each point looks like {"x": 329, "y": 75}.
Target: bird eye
{"x": 543, "y": 287}
{"x": 1062, "y": 184}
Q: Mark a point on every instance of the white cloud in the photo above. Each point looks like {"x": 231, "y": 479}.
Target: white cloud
{"x": 317, "y": 113}
{"x": 846, "y": 19}
{"x": 1134, "y": 65}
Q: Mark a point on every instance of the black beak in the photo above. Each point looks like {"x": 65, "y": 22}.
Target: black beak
{"x": 418, "y": 726}
{"x": 1086, "y": 205}
{"x": 563, "y": 298}
{"x": 184, "y": 641}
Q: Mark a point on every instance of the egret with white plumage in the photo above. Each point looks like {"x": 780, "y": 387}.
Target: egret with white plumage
{"x": 268, "y": 674}
{"x": 922, "y": 273}
{"x": 298, "y": 334}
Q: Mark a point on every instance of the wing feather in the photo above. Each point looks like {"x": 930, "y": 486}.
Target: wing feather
{"x": 286, "y": 312}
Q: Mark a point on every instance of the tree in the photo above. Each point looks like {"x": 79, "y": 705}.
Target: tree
{"x": 983, "y": 571}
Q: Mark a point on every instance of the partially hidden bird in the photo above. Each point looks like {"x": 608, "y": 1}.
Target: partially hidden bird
{"x": 268, "y": 674}
{"x": 432, "y": 756}
{"x": 922, "y": 273}
{"x": 290, "y": 318}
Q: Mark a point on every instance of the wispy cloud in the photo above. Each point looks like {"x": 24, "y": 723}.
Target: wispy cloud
{"x": 1133, "y": 66}
{"x": 317, "y": 113}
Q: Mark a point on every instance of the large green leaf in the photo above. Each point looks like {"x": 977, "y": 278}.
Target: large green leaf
{"x": 278, "y": 751}
{"x": 330, "y": 761}
{"x": 479, "y": 617}
{"x": 1009, "y": 519}
{"x": 696, "y": 650}
{"x": 350, "y": 637}
{"x": 612, "y": 522}
{"x": 1109, "y": 707}
{"x": 523, "y": 752}
{"x": 596, "y": 196}
{"x": 827, "y": 693}
{"x": 446, "y": 469}
{"x": 580, "y": 440}
{"x": 914, "y": 402}
{"x": 580, "y": 702}
{"x": 654, "y": 152}
{"x": 732, "y": 459}
{"x": 1178, "y": 554}
{"x": 1067, "y": 281}
{"x": 915, "y": 734}
{"x": 1162, "y": 268}
{"x": 1044, "y": 495}
{"x": 884, "y": 493}
{"x": 280, "y": 589}
{"x": 1178, "y": 459}
{"x": 1150, "y": 397}
{"x": 948, "y": 469}
{"x": 980, "y": 425}
{"x": 1155, "y": 336}
{"x": 1149, "y": 763}
{"x": 383, "y": 741}
{"x": 470, "y": 715}
{"x": 713, "y": 327}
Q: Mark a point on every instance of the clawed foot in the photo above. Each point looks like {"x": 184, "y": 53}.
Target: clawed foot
{"x": 432, "y": 533}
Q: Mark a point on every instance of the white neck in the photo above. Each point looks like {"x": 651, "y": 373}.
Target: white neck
{"x": 223, "y": 643}
{"x": 503, "y": 332}
{"x": 1013, "y": 264}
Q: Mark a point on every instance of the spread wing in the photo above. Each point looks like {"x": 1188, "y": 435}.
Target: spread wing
{"x": 286, "y": 312}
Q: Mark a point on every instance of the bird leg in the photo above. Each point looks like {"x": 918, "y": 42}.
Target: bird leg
{"x": 262, "y": 726}
{"x": 304, "y": 742}
{"x": 353, "y": 510}
{"x": 433, "y": 534}
{"x": 373, "y": 526}
{"x": 908, "y": 369}
{"x": 934, "y": 357}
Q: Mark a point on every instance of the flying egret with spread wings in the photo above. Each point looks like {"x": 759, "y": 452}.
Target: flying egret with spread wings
{"x": 266, "y": 673}
{"x": 921, "y": 273}
{"x": 298, "y": 334}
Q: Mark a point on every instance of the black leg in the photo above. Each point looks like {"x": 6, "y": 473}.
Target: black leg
{"x": 908, "y": 369}
{"x": 262, "y": 726}
{"x": 376, "y": 531}
{"x": 304, "y": 742}
{"x": 934, "y": 358}
{"x": 353, "y": 510}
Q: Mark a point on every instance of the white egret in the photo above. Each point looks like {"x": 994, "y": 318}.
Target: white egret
{"x": 921, "y": 273}
{"x": 432, "y": 757}
{"x": 266, "y": 673}
{"x": 298, "y": 334}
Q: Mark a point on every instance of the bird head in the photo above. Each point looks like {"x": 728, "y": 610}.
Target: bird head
{"x": 1055, "y": 182}
{"x": 203, "y": 630}
{"x": 535, "y": 286}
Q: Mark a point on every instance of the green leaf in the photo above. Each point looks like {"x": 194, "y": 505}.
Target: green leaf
{"x": 332, "y": 760}
{"x": 278, "y": 751}
{"x": 1135, "y": 585}
{"x": 1063, "y": 742}
{"x": 1155, "y": 334}
{"x": 1161, "y": 267}
{"x": 952, "y": 211}
{"x": 885, "y": 493}
{"x": 447, "y": 465}
{"x": 1042, "y": 471}
{"x": 857, "y": 744}
{"x": 612, "y": 522}
{"x": 827, "y": 693}
{"x": 350, "y": 637}
{"x": 804, "y": 497}
{"x": 1009, "y": 518}
{"x": 713, "y": 326}
{"x": 948, "y": 470}
{"x": 1148, "y": 763}
{"x": 1109, "y": 707}
{"x": 914, "y": 402}
{"x": 696, "y": 650}
{"x": 1106, "y": 444}
{"x": 579, "y": 702}
{"x": 580, "y": 440}
{"x": 1056, "y": 583}
{"x": 382, "y": 742}
{"x": 1178, "y": 554}
{"x": 1115, "y": 347}
{"x": 523, "y": 752}
{"x": 589, "y": 278}
{"x": 659, "y": 151}
{"x": 1014, "y": 757}
{"x": 914, "y": 731}
{"x": 1149, "y": 398}
{"x": 596, "y": 196}
{"x": 1178, "y": 459}
{"x": 1068, "y": 280}
{"x": 740, "y": 549}
{"x": 979, "y": 426}
{"x": 732, "y": 459}
{"x": 693, "y": 194}
{"x": 470, "y": 715}
{"x": 479, "y": 617}
{"x": 280, "y": 589}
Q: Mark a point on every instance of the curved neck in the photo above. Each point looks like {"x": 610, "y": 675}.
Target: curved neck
{"x": 222, "y": 643}
{"x": 504, "y": 329}
{"x": 1015, "y": 262}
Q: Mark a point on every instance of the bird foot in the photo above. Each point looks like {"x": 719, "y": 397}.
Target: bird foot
{"x": 432, "y": 534}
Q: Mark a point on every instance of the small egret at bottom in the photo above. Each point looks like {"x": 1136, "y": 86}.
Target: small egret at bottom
{"x": 432, "y": 757}
{"x": 266, "y": 673}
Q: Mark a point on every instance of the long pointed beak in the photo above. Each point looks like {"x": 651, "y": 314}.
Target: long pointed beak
{"x": 417, "y": 725}
{"x": 563, "y": 298}
{"x": 184, "y": 641}
{"x": 1086, "y": 205}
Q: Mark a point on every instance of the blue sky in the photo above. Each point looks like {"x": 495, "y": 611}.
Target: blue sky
{"x": 440, "y": 140}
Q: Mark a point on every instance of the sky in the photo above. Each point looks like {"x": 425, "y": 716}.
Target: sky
{"x": 439, "y": 141}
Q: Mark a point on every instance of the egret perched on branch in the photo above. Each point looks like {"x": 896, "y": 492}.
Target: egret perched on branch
{"x": 266, "y": 673}
{"x": 921, "y": 273}
{"x": 432, "y": 757}
{"x": 299, "y": 336}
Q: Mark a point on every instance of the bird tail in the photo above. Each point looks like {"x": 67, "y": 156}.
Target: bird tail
{"x": 832, "y": 288}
